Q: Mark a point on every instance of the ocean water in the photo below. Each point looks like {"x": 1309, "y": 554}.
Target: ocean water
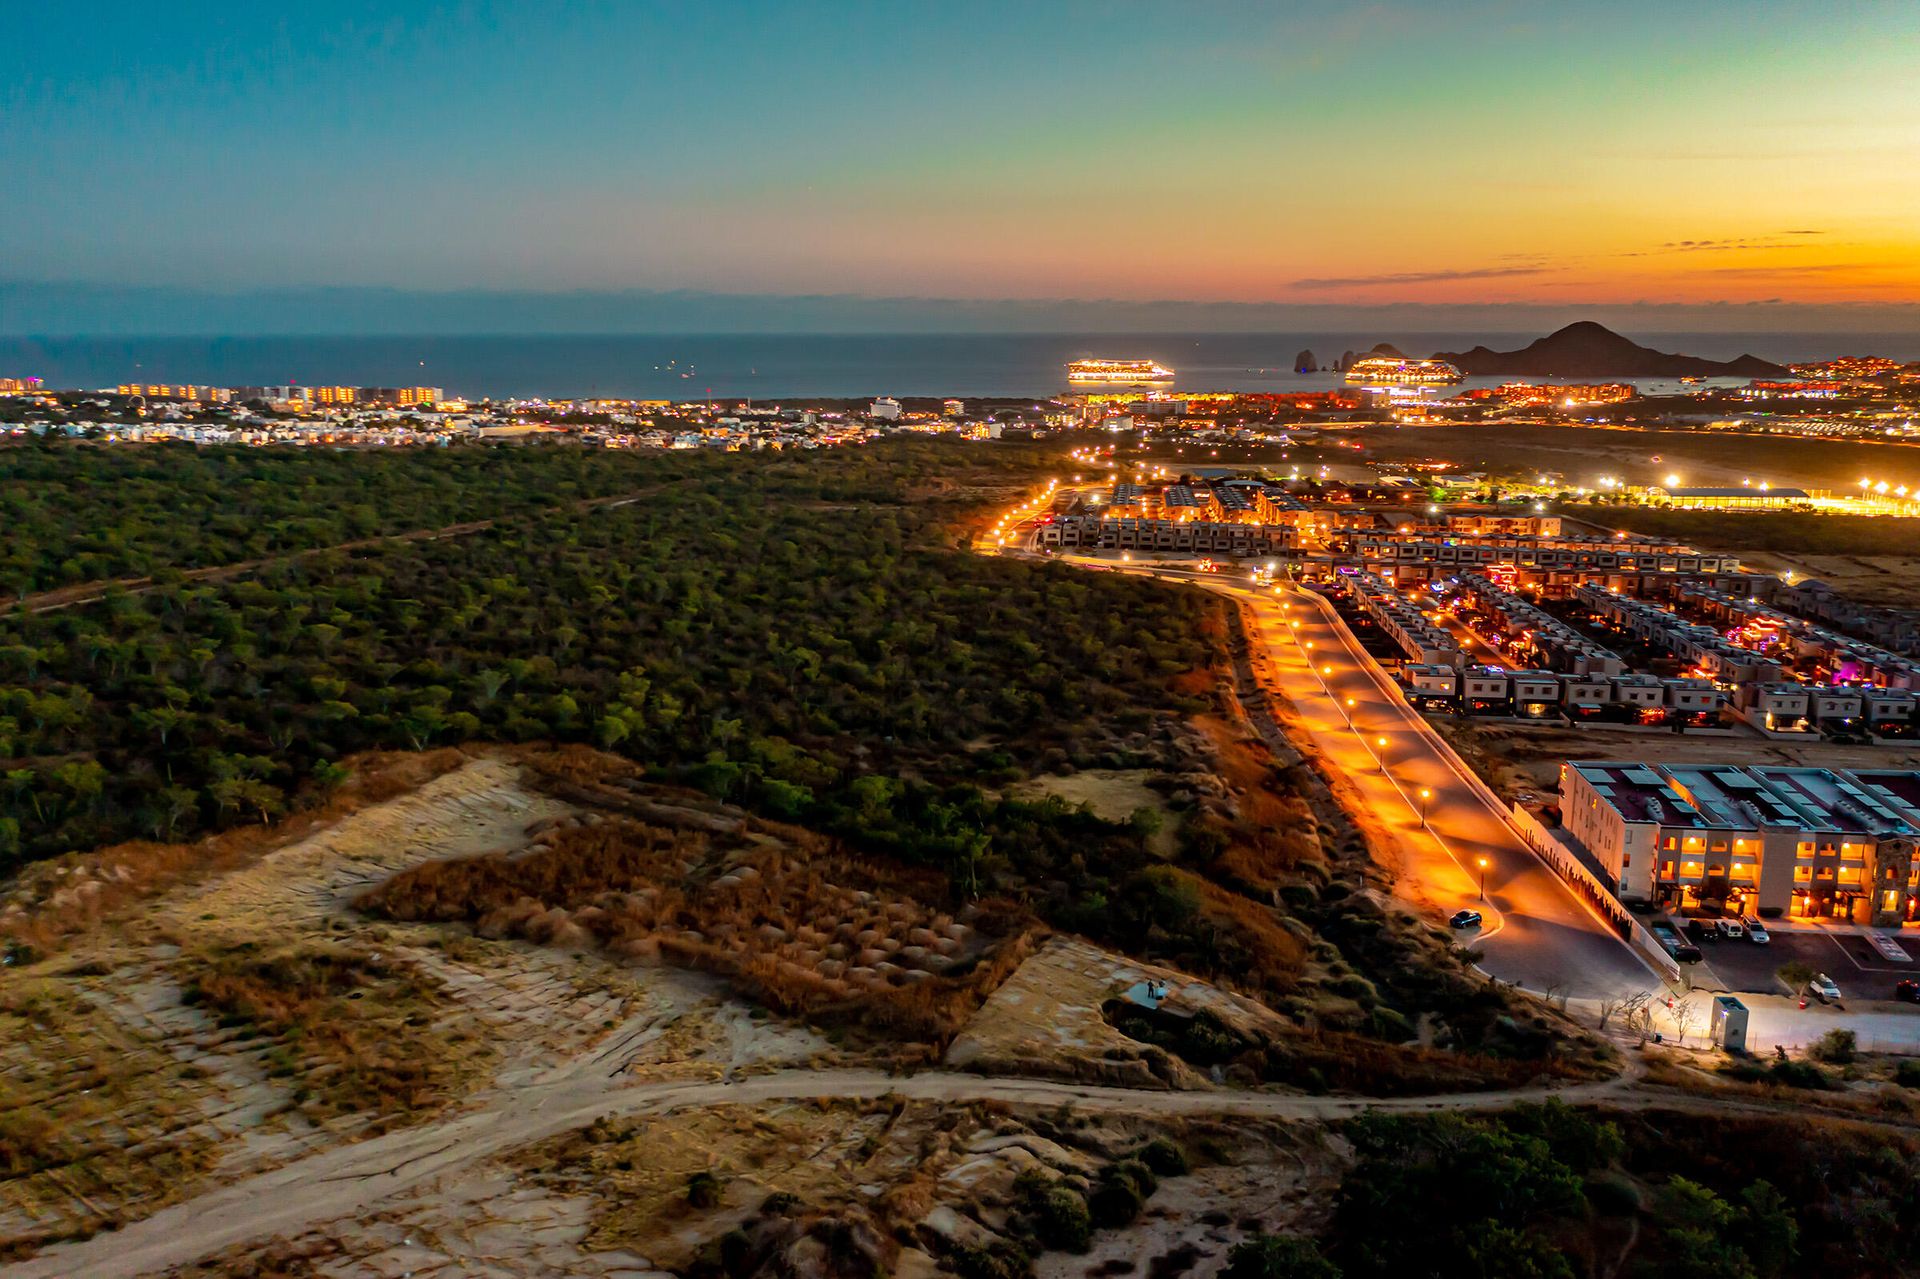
{"x": 788, "y": 365}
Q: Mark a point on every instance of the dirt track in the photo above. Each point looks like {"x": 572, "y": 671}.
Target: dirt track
{"x": 346, "y": 1181}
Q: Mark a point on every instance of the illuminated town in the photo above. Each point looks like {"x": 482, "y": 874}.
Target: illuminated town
{"x": 991, "y": 641}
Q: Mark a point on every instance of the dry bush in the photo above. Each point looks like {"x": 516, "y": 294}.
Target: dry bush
{"x": 1342, "y": 1062}
{"x": 1272, "y": 957}
{"x": 829, "y": 937}
{"x": 354, "y": 1030}
{"x": 51, "y": 902}
{"x": 95, "y": 1119}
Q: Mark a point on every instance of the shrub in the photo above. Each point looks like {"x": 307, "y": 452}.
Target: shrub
{"x": 990, "y": 1263}
{"x": 1061, "y": 1219}
{"x": 1135, "y": 1174}
{"x": 1907, "y": 1074}
{"x": 1836, "y": 1047}
{"x": 1114, "y": 1203}
{"x": 1164, "y": 1157}
{"x": 1613, "y": 1196}
{"x": 704, "y": 1190}
{"x": 1278, "y": 1257}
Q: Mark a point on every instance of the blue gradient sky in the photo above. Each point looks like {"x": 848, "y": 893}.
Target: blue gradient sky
{"x": 1325, "y": 154}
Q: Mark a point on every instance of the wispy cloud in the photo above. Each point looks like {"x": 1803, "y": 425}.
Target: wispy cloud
{"x": 1417, "y": 277}
{"x": 1745, "y": 243}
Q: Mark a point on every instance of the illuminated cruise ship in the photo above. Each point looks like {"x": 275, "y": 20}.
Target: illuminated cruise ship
{"x": 1387, "y": 370}
{"x": 1117, "y": 373}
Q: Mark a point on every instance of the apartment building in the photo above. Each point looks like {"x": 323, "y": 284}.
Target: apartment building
{"x": 1776, "y": 840}
{"x": 1194, "y": 537}
{"x": 1419, "y": 637}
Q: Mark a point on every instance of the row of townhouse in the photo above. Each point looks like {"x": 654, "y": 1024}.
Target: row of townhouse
{"x": 1705, "y": 648}
{"x": 1896, "y": 628}
{"x": 1787, "y": 708}
{"x": 1491, "y": 690}
{"x": 1841, "y": 655}
{"x": 1386, "y": 548}
{"x": 1772, "y": 839}
{"x": 1538, "y": 632}
{"x": 1419, "y": 638}
{"x": 1194, "y": 537}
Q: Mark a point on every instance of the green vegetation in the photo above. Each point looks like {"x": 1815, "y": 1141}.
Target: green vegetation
{"x": 1516, "y": 1196}
{"x": 80, "y": 514}
{"x": 841, "y": 666}
{"x": 1278, "y": 1257}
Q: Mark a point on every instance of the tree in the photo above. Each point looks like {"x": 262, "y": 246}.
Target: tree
{"x": 1278, "y": 1257}
{"x": 1685, "y": 1017}
{"x": 1622, "y": 1006}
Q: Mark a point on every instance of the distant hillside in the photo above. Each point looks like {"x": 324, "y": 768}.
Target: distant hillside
{"x": 1592, "y": 350}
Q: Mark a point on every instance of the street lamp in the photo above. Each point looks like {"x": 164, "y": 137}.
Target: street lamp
{"x": 1381, "y": 758}
{"x": 1483, "y": 879}
{"x": 1425, "y": 795}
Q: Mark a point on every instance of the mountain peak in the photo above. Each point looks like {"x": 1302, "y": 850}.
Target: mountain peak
{"x": 1587, "y": 349}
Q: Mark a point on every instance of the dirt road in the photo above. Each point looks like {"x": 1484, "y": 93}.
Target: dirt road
{"x": 348, "y": 1181}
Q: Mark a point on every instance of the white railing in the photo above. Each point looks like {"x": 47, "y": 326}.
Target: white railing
{"x": 1570, "y": 868}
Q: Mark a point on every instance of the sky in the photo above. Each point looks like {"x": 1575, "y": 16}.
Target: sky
{"x": 1752, "y": 161}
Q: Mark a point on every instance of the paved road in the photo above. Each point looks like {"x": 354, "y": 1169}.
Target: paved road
{"x": 1537, "y": 932}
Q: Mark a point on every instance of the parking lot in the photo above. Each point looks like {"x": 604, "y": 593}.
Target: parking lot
{"x": 1851, "y": 961}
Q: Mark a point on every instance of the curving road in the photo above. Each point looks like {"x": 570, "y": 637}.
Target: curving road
{"x": 1537, "y": 933}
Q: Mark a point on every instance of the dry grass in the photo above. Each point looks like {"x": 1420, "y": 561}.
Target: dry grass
{"x": 1272, "y": 830}
{"x": 354, "y": 1033}
{"x": 805, "y": 931}
{"x": 1342, "y": 1062}
{"x": 92, "y": 1118}
{"x": 1272, "y": 957}
{"x": 52, "y": 902}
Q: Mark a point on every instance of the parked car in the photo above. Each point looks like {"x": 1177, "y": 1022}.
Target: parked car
{"x": 1686, "y": 952}
{"x": 1907, "y": 991}
{"x": 1757, "y": 932}
{"x": 1730, "y": 930}
{"x": 1702, "y": 930}
{"x": 1465, "y": 919}
{"x": 1823, "y": 986}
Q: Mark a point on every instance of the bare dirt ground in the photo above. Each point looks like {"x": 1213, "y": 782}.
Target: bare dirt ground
{"x": 1045, "y": 1020}
{"x": 1889, "y": 580}
{"x": 126, "y": 1094}
{"x": 1114, "y": 794}
{"x": 1582, "y": 454}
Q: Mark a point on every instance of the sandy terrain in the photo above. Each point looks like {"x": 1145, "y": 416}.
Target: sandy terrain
{"x": 1889, "y": 580}
{"x": 1046, "y": 1020}
{"x": 1114, "y": 794}
{"x": 147, "y": 1097}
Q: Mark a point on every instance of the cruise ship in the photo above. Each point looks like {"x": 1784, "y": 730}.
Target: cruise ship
{"x": 1387, "y": 370}
{"x": 1118, "y": 373}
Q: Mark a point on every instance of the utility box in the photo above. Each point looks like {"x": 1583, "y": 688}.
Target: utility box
{"x": 1729, "y": 1027}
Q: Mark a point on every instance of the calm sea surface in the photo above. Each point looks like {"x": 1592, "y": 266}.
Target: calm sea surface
{"x": 776, "y": 365}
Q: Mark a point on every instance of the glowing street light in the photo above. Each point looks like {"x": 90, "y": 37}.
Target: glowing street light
{"x": 1425, "y": 795}
{"x": 1483, "y": 879}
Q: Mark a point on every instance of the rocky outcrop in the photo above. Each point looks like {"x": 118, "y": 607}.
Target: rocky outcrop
{"x": 1305, "y": 363}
